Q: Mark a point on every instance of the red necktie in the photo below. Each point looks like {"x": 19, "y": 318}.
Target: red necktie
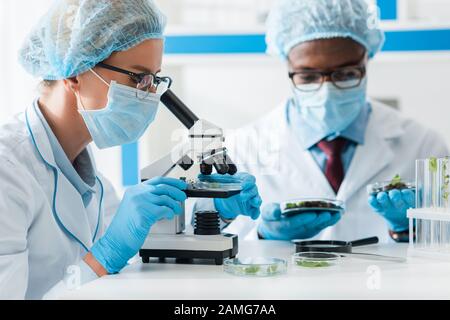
{"x": 334, "y": 170}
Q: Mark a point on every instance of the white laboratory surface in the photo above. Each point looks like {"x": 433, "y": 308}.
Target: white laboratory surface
{"x": 355, "y": 278}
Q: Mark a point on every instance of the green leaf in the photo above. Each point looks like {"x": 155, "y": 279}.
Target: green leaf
{"x": 313, "y": 264}
{"x": 433, "y": 164}
{"x": 396, "y": 180}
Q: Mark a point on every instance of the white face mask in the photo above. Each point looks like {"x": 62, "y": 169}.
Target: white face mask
{"x": 124, "y": 119}
{"x": 330, "y": 110}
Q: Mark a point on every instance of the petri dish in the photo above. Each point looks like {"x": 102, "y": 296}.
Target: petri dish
{"x": 315, "y": 260}
{"x": 311, "y": 204}
{"x": 387, "y": 186}
{"x": 256, "y": 267}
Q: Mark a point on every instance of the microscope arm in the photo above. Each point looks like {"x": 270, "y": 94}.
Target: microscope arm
{"x": 179, "y": 156}
{"x": 205, "y": 146}
{"x": 206, "y": 138}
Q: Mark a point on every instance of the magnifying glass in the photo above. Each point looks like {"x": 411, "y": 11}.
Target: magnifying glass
{"x": 343, "y": 248}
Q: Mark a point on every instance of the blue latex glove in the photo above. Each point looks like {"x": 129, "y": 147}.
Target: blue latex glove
{"x": 392, "y": 206}
{"x": 142, "y": 206}
{"x": 247, "y": 203}
{"x": 274, "y": 226}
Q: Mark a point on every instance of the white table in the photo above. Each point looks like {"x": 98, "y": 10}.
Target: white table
{"x": 417, "y": 278}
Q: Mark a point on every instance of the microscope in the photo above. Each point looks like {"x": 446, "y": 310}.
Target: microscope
{"x": 204, "y": 147}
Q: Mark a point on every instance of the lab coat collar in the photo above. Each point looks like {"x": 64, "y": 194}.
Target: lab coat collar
{"x": 306, "y": 163}
{"x": 386, "y": 126}
{"x": 42, "y": 142}
{"x": 375, "y": 154}
{"x": 68, "y": 208}
{"x": 369, "y": 159}
{"x": 296, "y": 162}
{"x": 39, "y": 135}
{"x": 64, "y": 164}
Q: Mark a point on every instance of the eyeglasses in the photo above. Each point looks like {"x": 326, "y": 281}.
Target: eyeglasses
{"x": 145, "y": 81}
{"x": 342, "y": 78}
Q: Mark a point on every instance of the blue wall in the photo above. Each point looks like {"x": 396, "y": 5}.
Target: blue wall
{"x": 401, "y": 41}
{"x": 388, "y": 9}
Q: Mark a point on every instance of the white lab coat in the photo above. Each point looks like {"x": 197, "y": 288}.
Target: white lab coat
{"x": 269, "y": 150}
{"x": 44, "y": 227}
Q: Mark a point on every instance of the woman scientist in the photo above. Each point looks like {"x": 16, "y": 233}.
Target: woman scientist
{"x": 98, "y": 60}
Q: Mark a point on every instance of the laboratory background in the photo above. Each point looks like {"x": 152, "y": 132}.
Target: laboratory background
{"x": 215, "y": 52}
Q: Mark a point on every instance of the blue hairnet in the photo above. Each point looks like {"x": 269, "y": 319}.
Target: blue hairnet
{"x": 75, "y": 35}
{"x": 292, "y": 22}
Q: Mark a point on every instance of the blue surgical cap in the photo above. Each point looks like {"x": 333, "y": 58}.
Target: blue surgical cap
{"x": 75, "y": 35}
{"x": 293, "y": 22}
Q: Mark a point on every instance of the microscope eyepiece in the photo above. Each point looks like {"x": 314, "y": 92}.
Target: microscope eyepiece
{"x": 179, "y": 109}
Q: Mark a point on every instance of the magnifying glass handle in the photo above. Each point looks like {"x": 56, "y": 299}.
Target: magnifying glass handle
{"x": 364, "y": 242}
{"x": 378, "y": 257}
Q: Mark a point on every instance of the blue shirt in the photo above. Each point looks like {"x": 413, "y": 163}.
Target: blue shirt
{"x": 355, "y": 133}
{"x": 81, "y": 173}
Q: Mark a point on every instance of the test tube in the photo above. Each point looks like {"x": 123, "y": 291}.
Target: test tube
{"x": 432, "y": 170}
{"x": 420, "y": 183}
{"x": 444, "y": 186}
{"x": 446, "y": 236}
{"x": 420, "y": 180}
{"x": 445, "y": 225}
{"x": 444, "y": 183}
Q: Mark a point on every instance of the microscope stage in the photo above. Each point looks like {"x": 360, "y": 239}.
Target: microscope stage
{"x": 184, "y": 246}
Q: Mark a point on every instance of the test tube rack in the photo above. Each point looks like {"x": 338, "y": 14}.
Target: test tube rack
{"x": 431, "y": 218}
{"x": 432, "y": 233}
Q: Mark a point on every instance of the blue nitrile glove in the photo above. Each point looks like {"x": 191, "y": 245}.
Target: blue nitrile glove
{"x": 274, "y": 226}
{"x": 247, "y": 203}
{"x": 141, "y": 207}
{"x": 392, "y": 206}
